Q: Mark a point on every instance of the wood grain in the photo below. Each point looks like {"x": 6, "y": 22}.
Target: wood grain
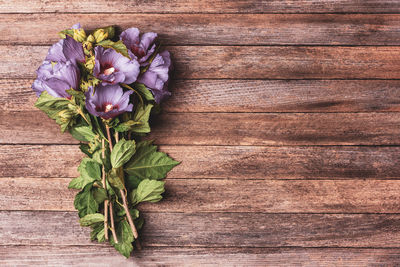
{"x": 245, "y": 62}
{"x": 177, "y": 256}
{"x": 213, "y": 230}
{"x": 203, "y": 6}
{"x": 215, "y": 29}
{"x": 207, "y": 195}
{"x": 250, "y": 96}
{"x": 228, "y": 129}
{"x": 233, "y": 162}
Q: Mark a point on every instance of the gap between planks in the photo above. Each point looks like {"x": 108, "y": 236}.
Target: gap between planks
{"x": 204, "y": 6}
{"x": 232, "y": 62}
{"x": 217, "y": 195}
{"x": 196, "y": 29}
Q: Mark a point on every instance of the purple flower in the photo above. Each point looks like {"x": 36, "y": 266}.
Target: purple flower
{"x": 56, "y": 78}
{"x": 108, "y": 101}
{"x": 111, "y": 67}
{"x": 156, "y": 77}
{"x": 139, "y": 48}
{"x": 66, "y": 49}
{"x": 76, "y": 26}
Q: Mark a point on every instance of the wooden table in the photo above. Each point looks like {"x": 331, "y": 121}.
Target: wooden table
{"x": 284, "y": 115}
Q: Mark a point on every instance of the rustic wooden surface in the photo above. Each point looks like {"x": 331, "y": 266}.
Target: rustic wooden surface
{"x": 284, "y": 115}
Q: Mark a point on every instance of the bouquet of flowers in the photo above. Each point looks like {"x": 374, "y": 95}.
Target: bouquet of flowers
{"x": 102, "y": 88}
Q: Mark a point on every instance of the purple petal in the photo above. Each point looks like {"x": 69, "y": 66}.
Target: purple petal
{"x": 76, "y": 26}
{"x": 56, "y": 53}
{"x": 138, "y": 47}
{"x": 56, "y": 79}
{"x": 108, "y": 96}
{"x": 147, "y": 39}
{"x": 73, "y": 50}
{"x": 157, "y": 75}
{"x": 112, "y": 67}
{"x": 130, "y": 37}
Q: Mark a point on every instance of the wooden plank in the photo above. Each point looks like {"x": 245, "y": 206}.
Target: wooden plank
{"x": 215, "y": 29}
{"x": 288, "y": 196}
{"x": 213, "y": 230}
{"x": 228, "y": 129}
{"x": 204, "y": 6}
{"x": 233, "y": 162}
{"x": 245, "y": 62}
{"x": 250, "y": 95}
{"x": 177, "y": 256}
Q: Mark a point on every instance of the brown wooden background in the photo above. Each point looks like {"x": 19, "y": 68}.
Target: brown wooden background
{"x": 284, "y": 115}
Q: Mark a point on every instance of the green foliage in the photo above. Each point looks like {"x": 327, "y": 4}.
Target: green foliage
{"x": 57, "y": 108}
{"x": 85, "y": 202}
{"x": 78, "y": 34}
{"x": 147, "y": 163}
{"x": 89, "y": 171}
{"x": 82, "y": 133}
{"x": 144, "y": 91}
{"x": 125, "y": 238}
{"x": 103, "y": 34}
{"x": 117, "y": 46}
{"x": 125, "y": 126}
{"x": 141, "y": 116}
{"x": 122, "y": 152}
{"x": 91, "y": 219}
{"x": 99, "y": 194}
{"x": 116, "y": 178}
{"x": 97, "y": 232}
{"x": 148, "y": 190}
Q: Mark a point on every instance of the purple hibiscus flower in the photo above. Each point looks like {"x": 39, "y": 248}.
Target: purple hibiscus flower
{"x": 156, "y": 77}
{"x": 66, "y": 49}
{"x": 108, "y": 101}
{"x": 56, "y": 78}
{"x": 111, "y": 67}
{"x": 139, "y": 48}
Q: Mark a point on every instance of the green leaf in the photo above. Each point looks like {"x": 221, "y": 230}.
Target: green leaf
{"x": 99, "y": 194}
{"x": 89, "y": 172}
{"x": 84, "y": 201}
{"x": 57, "y": 108}
{"x": 103, "y": 33}
{"x": 78, "y": 34}
{"x": 147, "y": 163}
{"x": 82, "y": 133}
{"x": 122, "y": 152}
{"x": 77, "y": 94}
{"x": 90, "y": 219}
{"x": 142, "y": 115}
{"x": 132, "y": 181}
{"x": 148, "y": 190}
{"x": 97, "y": 232}
{"x": 125, "y": 126}
{"x": 144, "y": 91}
{"x": 117, "y": 46}
{"x": 63, "y": 34}
{"x": 116, "y": 178}
{"x": 125, "y": 238}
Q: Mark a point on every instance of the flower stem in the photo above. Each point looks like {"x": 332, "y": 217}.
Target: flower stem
{"x": 105, "y": 188}
{"x": 116, "y": 137}
{"x": 123, "y": 194}
{"x": 112, "y": 223}
{"x": 128, "y": 215}
{"x": 109, "y": 137}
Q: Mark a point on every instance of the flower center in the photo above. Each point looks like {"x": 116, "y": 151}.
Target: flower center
{"x": 106, "y": 107}
{"x": 138, "y": 51}
{"x": 107, "y": 68}
{"x": 109, "y": 71}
